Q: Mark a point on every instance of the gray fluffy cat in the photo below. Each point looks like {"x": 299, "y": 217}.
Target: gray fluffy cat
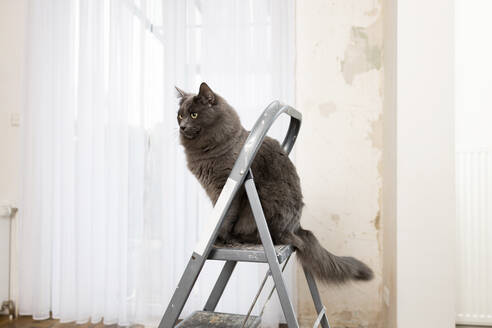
{"x": 212, "y": 136}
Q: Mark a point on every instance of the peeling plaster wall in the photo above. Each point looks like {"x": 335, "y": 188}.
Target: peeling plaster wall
{"x": 339, "y": 91}
{"x": 389, "y": 206}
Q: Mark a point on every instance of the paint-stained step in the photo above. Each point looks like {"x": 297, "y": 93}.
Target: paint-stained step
{"x": 247, "y": 252}
{"x": 218, "y": 320}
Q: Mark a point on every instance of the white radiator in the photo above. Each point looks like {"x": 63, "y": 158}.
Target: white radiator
{"x": 474, "y": 236}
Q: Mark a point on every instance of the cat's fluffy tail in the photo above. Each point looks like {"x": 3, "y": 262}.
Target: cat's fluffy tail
{"x": 325, "y": 266}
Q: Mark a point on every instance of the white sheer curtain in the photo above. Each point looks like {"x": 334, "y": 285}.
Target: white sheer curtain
{"x": 110, "y": 213}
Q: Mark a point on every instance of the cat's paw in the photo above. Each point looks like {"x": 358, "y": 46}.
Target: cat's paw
{"x": 224, "y": 236}
{"x": 244, "y": 226}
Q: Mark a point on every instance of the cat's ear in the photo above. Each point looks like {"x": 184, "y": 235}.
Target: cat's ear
{"x": 180, "y": 93}
{"x": 206, "y": 93}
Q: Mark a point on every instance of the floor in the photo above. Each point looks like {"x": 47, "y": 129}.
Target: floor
{"x": 28, "y": 322}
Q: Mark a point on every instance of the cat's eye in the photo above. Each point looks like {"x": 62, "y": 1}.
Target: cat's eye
{"x": 194, "y": 115}
{"x": 180, "y": 116}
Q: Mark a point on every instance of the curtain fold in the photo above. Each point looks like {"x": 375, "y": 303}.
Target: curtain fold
{"x": 109, "y": 213}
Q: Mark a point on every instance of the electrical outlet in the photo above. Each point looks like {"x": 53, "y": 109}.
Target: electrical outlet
{"x": 386, "y": 296}
{"x": 7, "y": 210}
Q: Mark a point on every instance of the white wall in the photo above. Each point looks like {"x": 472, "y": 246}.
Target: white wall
{"x": 339, "y": 91}
{"x": 12, "y": 29}
{"x": 473, "y": 73}
{"x": 425, "y": 164}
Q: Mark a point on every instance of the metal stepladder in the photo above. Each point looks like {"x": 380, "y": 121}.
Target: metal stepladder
{"x": 267, "y": 252}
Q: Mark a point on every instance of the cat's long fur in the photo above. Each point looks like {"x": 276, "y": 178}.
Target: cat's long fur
{"x": 212, "y": 140}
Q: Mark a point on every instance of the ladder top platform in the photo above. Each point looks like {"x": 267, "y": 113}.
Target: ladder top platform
{"x": 247, "y": 252}
{"x": 218, "y": 320}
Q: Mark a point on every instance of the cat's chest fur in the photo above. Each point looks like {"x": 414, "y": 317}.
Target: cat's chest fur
{"x": 212, "y": 170}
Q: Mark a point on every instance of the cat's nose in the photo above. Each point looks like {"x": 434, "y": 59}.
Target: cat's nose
{"x": 182, "y": 127}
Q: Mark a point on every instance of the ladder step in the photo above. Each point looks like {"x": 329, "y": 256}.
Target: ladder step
{"x": 247, "y": 253}
{"x": 218, "y": 320}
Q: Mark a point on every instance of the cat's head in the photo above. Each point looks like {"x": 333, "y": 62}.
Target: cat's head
{"x": 202, "y": 116}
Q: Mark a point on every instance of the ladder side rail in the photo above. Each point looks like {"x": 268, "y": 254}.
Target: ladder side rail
{"x": 318, "y": 304}
{"x": 258, "y": 133}
{"x": 266, "y": 240}
{"x": 219, "y": 286}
